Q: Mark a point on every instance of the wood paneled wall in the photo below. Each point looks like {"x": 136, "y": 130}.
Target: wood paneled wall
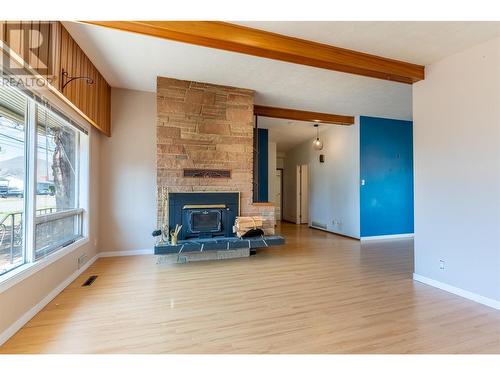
{"x": 14, "y": 34}
{"x": 62, "y": 53}
{"x": 93, "y": 99}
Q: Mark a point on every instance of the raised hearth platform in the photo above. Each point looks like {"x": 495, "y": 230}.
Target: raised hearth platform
{"x": 219, "y": 244}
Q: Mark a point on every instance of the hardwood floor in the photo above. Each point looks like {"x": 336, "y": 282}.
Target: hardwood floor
{"x": 319, "y": 293}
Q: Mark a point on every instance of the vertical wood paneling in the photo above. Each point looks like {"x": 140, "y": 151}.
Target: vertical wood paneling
{"x": 26, "y": 41}
{"x": 77, "y": 85}
{"x": 13, "y": 37}
{"x": 45, "y": 41}
{"x": 95, "y": 92}
{"x": 92, "y": 103}
{"x": 62, "y": 53}
{"x": 107, "y": 107}
{"x": 63, "y": 56}
{"x": 85, "y": 73}
{"x": 95, "y": 99}
{"x": 69, "y": 68}
{"x": 55, "y": 54}
{"x": 13, "y": 33}
{"x": 33, "y": 40}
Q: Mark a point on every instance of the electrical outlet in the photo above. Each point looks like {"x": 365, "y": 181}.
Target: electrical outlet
{"x": 82, "y": 259}
{"x": 95, "y": 241}
{"x": 441, "y": 264}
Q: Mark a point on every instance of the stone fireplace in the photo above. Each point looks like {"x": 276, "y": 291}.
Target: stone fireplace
{"x": 205, "y": 145}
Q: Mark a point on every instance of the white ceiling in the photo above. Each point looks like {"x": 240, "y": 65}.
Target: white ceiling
{"x": 134, "y": 61}
{"x": 416, "y": 42}
{"x": 288, "y": 134}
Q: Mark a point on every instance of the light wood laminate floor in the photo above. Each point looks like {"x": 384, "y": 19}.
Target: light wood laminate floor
{"x": 319, "y": 293}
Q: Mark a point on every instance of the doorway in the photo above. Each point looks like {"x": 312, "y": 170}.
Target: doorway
{"x": 302, "y": 194}
{"x": 278, "y": 194}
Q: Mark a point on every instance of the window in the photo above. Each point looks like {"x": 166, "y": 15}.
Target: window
{"x": 57, "y": 217}
{"x": 13, "y": 106}
{"x": 42, "y": 166}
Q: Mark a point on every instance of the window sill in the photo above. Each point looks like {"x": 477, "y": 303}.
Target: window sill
{"x": 26, "y": 270}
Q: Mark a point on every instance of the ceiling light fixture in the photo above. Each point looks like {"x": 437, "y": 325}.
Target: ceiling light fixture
{"x": 317, "y": 144}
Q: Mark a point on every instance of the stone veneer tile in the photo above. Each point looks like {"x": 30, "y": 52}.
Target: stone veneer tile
{"x": 214, "y": 128}
{"x": 168, "y": 132}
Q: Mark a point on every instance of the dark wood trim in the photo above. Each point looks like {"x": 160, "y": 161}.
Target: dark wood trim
{"x": 295, "y": 114}
{"x": 236, "y": 38}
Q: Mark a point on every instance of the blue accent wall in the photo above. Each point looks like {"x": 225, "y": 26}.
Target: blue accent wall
{"x": 386, "y": 166}
{"x": 262, "y": 154}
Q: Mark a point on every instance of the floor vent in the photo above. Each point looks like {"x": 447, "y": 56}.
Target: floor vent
{"x": 318, "y": 225}
{"x": 90, "y": 280}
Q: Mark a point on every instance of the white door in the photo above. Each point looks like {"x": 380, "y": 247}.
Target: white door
{"x": 277, "y": 195}
{"x": 302, "y": 194}
{"x": 304, "y": 198}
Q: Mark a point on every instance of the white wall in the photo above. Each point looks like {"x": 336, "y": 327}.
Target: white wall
{"x": 334, "y": 184}
{"x": 456, "y": 117}
{"x": 271, "y": 174}
{"x": 128, "y": 173}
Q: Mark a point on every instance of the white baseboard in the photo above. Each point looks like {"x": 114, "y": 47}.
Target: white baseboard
{"x": 28, "y": 315}
{"x": 106, "y": 254}
{"x": 333, "y": 232}
{"x": 388, "y": 237}
{"x": 459, "y": 292}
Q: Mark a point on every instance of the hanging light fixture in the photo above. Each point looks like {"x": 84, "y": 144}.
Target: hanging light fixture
{"x": 317, "y": 144}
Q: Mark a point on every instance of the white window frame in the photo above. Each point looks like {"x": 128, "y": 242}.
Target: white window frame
{"x": 31, "y": 266}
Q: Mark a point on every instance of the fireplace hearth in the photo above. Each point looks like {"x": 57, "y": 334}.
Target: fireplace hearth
{"x": 203, "y": 214}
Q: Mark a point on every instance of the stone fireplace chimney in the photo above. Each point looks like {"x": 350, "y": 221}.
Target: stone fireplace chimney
{"x": 205, "y": 142}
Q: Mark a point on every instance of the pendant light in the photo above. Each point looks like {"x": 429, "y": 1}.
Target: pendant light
{"x": 317, "y": 144}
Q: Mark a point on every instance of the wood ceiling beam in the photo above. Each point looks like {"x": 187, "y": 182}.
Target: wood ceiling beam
{"x": 295, "y": 114}
{"x": 236, "y": 38}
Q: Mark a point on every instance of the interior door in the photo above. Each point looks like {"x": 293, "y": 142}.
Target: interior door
{"x": 277, "y": 194}
{"x": 302, "y": 194}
